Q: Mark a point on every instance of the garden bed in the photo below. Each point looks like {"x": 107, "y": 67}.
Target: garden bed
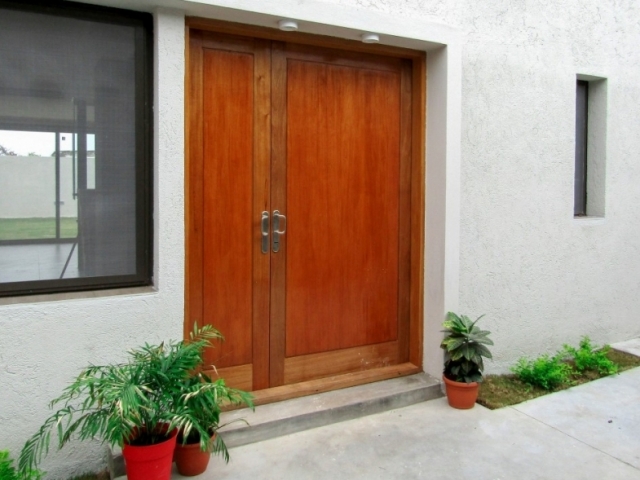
{"x": 498, "y": 391}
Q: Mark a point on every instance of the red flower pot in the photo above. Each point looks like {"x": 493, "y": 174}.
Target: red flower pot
{"x": 461, "y": 395}
{"x": 190, "y": 459}
{"x": 150, "y": 462}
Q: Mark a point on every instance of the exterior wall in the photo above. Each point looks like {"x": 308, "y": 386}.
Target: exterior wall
{"x": 542, "y": 277}
{"x": 27, "y": 187}
{"x": 500, "y": 234}
{"x": 45, "y": 341}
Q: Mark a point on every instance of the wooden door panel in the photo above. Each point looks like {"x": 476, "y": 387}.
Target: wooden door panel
{"x": 278, "y": 201}
{"x": 344, "y": 58}
{"x": 325, "y": 364}
{"x": 234, "y": 92}
{"x": 342, "y": 188}
{"x": 323, "y": 136}
{"x": 240, "y": 376}
{"x": 228, "y": 183}
{"x": 404, "y": 217}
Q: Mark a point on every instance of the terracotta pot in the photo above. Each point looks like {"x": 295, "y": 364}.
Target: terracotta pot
{"x": 461, "y": 395}
{"x": 150, "y": 462}
{"x": 190, "y": 460}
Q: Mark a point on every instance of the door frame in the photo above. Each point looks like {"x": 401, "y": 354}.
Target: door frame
{"x": 417, "y": 212}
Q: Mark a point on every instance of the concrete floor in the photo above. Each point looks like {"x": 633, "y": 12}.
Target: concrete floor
{"x": 588, "y": 432}
{"x": 22, "y": 263}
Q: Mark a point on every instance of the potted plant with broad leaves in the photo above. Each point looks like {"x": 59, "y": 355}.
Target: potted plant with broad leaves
{"x": 464, "y": 345}
{"x": 136, "y": 405}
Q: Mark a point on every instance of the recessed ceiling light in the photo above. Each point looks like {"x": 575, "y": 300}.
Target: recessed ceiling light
{"x": 370, "y": 38}
{"x": 288, "y": 25}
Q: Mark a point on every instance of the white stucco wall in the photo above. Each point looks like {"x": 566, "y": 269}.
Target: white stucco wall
{"x": 500, "y": 234}
{"x": 543, "y": 278}
{"x": 46, "y": 340}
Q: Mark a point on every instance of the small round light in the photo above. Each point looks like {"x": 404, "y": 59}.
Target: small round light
{"x": 370, "y": 38}
{"x": 288, "y": 25}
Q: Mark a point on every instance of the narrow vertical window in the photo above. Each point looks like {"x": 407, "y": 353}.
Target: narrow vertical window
{"x": 582, "y": 124}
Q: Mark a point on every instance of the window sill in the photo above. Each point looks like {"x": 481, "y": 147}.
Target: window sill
{"x": 83, "y": 295}
{"x": 588, "y": 221}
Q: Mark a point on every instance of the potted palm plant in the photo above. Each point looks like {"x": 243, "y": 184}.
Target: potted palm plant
{"x": 202, "y": 399}
{"x": 138, "y": 405}
{"x": 464, "y": 345}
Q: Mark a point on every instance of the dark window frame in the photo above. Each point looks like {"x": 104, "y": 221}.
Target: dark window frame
{"x": 143, "y": 23}
{"x": 582, "y": 131}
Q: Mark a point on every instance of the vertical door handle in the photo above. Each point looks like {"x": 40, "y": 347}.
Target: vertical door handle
{"x": 279, "y": 227}
{"x": 264, "y": 229}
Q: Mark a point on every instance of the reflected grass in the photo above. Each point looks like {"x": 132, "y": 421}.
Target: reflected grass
{"x": 36, "y": 228}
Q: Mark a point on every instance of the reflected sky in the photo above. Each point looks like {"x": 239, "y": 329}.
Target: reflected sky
{"x": 40, "y": 143}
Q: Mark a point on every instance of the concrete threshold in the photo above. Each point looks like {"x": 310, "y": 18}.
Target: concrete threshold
{"x": 298, "y": 414}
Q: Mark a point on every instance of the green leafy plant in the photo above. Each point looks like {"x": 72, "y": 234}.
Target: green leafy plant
{"x": 499, "y": 391}
{"x": 545, "y": 371}
{"x": 464, "y": 346}
{"x": 9, "y": 472}
{"x": 590, "y": 357}
{"x": 200, "y": 401}
{"x": 159, "y": 389}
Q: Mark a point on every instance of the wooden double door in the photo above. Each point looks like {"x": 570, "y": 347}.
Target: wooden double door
{"x": 299, "y": 208}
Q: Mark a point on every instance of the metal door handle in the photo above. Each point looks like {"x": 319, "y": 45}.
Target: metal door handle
{"x": 278, "y": 221}
{"x": 264, "y": 228}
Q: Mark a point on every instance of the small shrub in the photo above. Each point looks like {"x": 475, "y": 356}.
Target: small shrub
{"x": 8, "y": 471}
{"x": 545, "y": 372}
{"x": 589, "y": 357}
{"x": 498, "y": 391}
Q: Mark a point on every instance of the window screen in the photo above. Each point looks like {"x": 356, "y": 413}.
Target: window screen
{"x": 74, "y": 147}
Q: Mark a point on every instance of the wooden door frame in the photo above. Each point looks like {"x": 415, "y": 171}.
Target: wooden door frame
{"x": 417, "y": 214}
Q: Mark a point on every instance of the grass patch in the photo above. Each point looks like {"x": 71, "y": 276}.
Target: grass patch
{"x": 497, "y": 391}
{"x": 36, "y": 228}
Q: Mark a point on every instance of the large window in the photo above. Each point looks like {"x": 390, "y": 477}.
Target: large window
{"x": 75, "y": 147}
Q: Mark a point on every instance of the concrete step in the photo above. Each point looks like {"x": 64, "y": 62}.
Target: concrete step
{"x": 298, "y": 414}
{"x": 290, "y": 416}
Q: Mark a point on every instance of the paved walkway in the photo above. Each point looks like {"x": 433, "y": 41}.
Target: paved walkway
{"x": 588, "y": 432}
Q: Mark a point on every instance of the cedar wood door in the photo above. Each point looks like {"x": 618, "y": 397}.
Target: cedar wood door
{"x": 324, "y": 137}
